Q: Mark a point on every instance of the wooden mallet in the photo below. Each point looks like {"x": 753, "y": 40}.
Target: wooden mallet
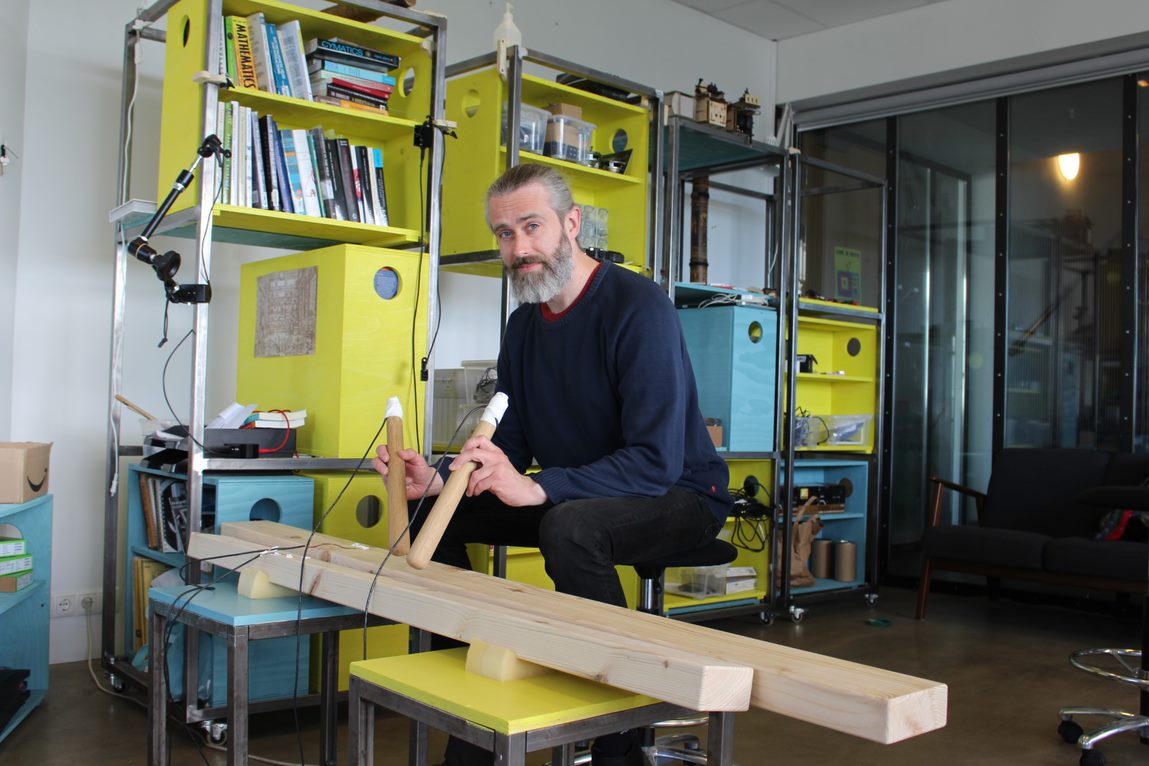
{"x": 397, "y": 535}
{"x": 444, "y": 508}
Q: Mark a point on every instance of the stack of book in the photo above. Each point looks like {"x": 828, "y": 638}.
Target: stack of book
{"x": 15, "y": 565}
{"x": 273, "y": 57}
{"x": 306, "y": 172}
{"x": 287, "y": 419}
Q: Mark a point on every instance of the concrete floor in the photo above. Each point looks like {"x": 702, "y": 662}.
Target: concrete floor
{"x": 1004, "y": 662}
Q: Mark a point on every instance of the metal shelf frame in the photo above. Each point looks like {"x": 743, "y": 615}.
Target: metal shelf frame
{"x": 197, "y": 222}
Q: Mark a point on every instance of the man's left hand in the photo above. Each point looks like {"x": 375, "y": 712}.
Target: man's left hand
{"x": 495, "y": 474}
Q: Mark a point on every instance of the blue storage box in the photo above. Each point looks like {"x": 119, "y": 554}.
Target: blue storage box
{"x": 734, "y": 351}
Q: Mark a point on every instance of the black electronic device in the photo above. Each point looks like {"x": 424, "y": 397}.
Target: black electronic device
{"x": 830, "y": 498}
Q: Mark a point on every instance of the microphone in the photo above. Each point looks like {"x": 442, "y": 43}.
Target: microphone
{"x": 448, "y": 500}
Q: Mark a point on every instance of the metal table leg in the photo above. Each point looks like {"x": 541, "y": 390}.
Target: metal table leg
{"x": 158, "y": 709}
{"x": 511, "y": 749}
{"x": 720, "y": 740}
{"x": 360, "y": 725}
{"x": 328, "y": 699}
{"x": 237, "y": 682}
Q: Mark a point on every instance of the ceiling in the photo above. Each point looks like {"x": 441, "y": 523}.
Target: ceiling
{"x": 781, "y": 19}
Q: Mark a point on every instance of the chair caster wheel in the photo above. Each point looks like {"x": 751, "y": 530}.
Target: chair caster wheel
{"x": 1070, "y": 731}
{"x": 871, "y": 599}
{"x": 116, "y": 683}
{"x": 216, "y": 731}
{"x": 767, "y": 617}
{"x": 1092, "y": 758}
{"x": 797, "y": 614}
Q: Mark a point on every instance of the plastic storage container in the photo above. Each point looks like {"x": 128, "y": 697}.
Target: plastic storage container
{"x": 568, "y": 138}
{"x": 848, "y": 430}
{"x": 532, "y": 128}
{"x": 707, "y": 582}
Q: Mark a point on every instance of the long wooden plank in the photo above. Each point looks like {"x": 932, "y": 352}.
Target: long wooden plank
{"x": 857, "y": 699}
{"x": 678, "y": 676}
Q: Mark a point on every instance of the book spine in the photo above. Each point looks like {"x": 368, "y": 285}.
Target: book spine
{"x": 385, "y": 220}
{"x": 229, "y": 48}
{"x": 340, "y": 48}
{"x": 260, "y": 52}
{"x": 286, "y": 203}
{"x": 13, "y": 548}
{"x": 270, "y": 162}
{"x": 15, "y": 564}
{"x": 357, "y": 184}
{"x": 363, "y": 180}
{"x": 372, "y": 183}
{"x": 314, "y": 151}
{"x": 336, "y": 91}
{"x": 347, "y": 174}
{"x": 323, "y": 172}
{"x": 344, "y": 103}
{"x": 319, "y": 66}
{"x": 309, "y": 194}
{"x": 381, "y": 92}
{"x": 294, "y": 177}
{"x": 244, "y": 54}
{"x": 243, "y": 174}
{"x": 291, "y": 44}
{"x": 257, "y": 178}
{"x": 223, "y": 129}
{"x": 338, "y": 198}
{"x": 278, "y": 65}
{"x": 233, "y": 134}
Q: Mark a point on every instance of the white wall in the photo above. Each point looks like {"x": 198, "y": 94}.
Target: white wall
{"x": 13, "y": 54}
{"x": 59, "y": 343}
{"x": 945, "y": 36}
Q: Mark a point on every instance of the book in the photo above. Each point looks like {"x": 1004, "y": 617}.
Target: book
{"x": 286, "y": 201}
{"x": 291, "y": 43}
{"x": 363, "y": 175}
{"x": 347, "y": 179}
{"x": 323, "y": 173}
{"x": 13, "y": 564}
{"x": 270, "y": 162}
{"x": 321, "y": 80}
{"x": 261, "y": 53}
{"x": 14, "y": 546}
{"x": 149, "y": 512}
{"x": 338, "y": 197}
{"x": 222, "y": 118}
{"x": 278, "y": 65}
{"x": 336, "y": 49}
{"x": 308, "y": 175}
{"x": 244, "y": 54}
{"x": 144, "y": 572}
{"x": 385, "y": 219}
{"x": 317, "y": 65}
{"x": 294, "y": 183}
{"x": 353, "y": 102}
{"x": 257, "y": 165}
{"x": 229, "y": 48}
{"x": 10, "y": 583}
{"x": 171, "y": 501}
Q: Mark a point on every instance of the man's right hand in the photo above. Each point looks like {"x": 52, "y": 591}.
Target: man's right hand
{"x": 422, "y": 479}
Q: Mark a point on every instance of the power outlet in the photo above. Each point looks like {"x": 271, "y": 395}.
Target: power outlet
{"x": 68, "y": 604}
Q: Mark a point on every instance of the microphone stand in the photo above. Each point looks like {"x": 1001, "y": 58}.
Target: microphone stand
{"x": 167, "y": 264}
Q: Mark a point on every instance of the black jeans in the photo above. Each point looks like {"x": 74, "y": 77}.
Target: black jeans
{"x": 581, "y": 542}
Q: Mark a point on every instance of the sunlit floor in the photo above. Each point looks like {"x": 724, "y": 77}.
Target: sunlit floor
{"x": 1004, "y": 661}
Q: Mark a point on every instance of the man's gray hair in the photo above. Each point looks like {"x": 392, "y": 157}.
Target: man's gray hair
{"x": 521, "y": 175}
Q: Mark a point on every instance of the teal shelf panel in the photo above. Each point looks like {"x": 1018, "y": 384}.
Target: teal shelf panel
{"x": 9, "y": 601}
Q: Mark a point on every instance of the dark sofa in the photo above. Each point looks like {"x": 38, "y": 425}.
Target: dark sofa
{"x": 1033, "y": 525}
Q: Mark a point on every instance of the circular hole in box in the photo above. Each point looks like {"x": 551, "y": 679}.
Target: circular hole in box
{"x": 754, "y": 331}
{"x": 387, "y": 283}
{"x": 853, "y": 347}
{"x": 265, "y": 509}
{"x": 369, "y": 511}
{"x": 471, "y": 102}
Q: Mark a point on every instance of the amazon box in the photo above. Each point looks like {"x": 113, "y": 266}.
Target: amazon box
{"x": 23, "y": 471}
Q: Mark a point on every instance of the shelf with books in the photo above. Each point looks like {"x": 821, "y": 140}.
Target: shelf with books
{"x": 478, "y": 100}
{"x": 389, "y": 131}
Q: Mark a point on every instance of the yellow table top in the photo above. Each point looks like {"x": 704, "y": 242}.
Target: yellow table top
{"x": 441, "y": 679}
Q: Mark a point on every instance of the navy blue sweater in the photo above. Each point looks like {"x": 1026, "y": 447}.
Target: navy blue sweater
{"x": 604, "y": 399}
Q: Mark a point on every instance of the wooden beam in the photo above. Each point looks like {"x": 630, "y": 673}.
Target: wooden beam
{"x": 679, "y": 676}
{"x": 868, "y": 702}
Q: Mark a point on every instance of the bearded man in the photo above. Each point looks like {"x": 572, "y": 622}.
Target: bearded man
{"x": 603, "y": 398}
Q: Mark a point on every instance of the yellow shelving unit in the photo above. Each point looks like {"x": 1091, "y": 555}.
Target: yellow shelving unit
{"x": 843, "y": 385}
{"x": 372, "y": 278}
{"x": 479, "y": 99}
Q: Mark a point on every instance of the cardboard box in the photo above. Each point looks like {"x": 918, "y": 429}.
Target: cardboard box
{"x": 14, "y": 564}
{"x": 14, "y": 582}
{"x": 565, "y": 110}
{"x": 23, "y": 471}
{"x": 680, "y": 104}
{"x": 12, "y": 546}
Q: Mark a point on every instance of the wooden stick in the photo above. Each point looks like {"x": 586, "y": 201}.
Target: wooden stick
{"x": 398, "y": 536}
{"x": 448, "y": 500}
{"x": 135, "y": 407}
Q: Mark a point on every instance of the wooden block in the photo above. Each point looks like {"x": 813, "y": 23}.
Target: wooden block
{"x": 679, "y": 676}
{"x": 500, "y": 664}
{"x": 254, "y": 583}
{"x": 868, "y": 702}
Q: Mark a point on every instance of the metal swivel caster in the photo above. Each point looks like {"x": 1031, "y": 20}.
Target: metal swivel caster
{"x": 116, "y": 683}
{"x": 216, "y": 731}
{"x": 797, "y": 614}
{"x": 871, "y": 599}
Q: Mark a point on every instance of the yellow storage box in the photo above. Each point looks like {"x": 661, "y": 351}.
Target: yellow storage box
{"x": 336, "y": 331}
